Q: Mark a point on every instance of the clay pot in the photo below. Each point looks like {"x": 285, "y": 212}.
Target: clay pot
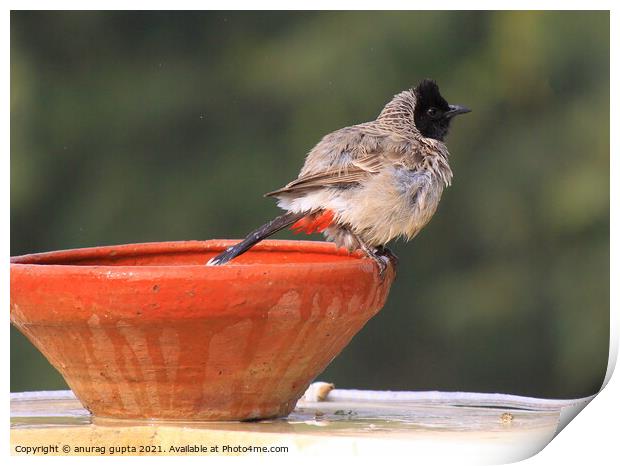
{"x": 147, "y": 331}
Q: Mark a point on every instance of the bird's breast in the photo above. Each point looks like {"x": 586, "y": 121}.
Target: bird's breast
{"x": 395, "y": 202}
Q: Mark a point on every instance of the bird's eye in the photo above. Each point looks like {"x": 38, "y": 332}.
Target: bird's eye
{"x": 432, "y": 112}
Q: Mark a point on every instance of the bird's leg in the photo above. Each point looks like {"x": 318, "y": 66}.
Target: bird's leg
{"x": 384, "y": 251}
{"x": 381, "y": 260}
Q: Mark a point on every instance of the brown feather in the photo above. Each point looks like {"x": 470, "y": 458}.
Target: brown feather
{"x": 355, "y": 172}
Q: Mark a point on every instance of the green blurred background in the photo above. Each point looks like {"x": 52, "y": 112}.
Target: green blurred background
{"x": 133, "y": 127}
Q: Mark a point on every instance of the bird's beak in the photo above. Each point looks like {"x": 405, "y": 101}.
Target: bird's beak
{"x": 456, "y": 110}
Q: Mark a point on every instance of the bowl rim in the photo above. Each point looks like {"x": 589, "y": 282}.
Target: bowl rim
{"x": 46, "y": 259}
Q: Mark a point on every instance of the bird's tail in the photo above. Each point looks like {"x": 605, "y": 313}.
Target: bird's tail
{"x": 268, "y": 229}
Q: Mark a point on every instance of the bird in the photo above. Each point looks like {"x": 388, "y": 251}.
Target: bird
{"x": 367, "y": 184}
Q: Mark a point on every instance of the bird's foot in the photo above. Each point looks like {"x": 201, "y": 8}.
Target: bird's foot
{"x": 382, "y": 261}
{"x": 386, "y": 252}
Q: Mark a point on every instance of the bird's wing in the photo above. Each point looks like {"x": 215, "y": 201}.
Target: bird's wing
{"x": 355, "y": 171}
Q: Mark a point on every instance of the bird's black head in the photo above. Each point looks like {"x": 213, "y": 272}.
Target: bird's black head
{"x": 432, "y": 113}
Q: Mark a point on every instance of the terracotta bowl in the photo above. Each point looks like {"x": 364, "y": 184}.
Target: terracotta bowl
{"x": 147, "y": 331}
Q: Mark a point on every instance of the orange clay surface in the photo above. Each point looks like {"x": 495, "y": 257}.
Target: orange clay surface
{"x": 147, "y": 331}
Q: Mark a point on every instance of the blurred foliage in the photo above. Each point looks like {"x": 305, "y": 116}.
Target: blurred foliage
{"x": 132, "y": 127}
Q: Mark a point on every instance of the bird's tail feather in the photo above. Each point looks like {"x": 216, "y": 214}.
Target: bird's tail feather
{"x": 268, "y": 229}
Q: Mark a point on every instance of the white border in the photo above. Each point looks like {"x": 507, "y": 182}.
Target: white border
{"x": 591, "y": 438}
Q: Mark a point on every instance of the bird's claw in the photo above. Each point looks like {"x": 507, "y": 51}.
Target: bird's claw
{"x": 381, "y": 255}
{"x": 386, "y": 252}
{"x": 382, "y": 262}
{"x": 384, "y": 257}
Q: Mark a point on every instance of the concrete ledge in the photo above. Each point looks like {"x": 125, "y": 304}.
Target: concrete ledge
{"x": 468, "y": 427}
